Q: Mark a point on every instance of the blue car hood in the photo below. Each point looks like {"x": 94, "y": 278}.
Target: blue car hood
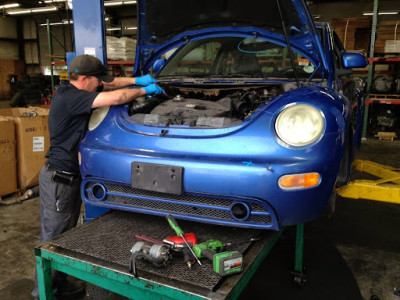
{"x": 166, "y": 24}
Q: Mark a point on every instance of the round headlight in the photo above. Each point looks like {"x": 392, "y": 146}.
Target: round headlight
{"x": 299, "y": 125}
{"x": 98, "y": 116}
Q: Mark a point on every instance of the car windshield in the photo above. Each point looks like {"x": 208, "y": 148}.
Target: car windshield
{"x": 233, "y": 57}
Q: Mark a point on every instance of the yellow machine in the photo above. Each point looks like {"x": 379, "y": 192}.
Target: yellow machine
{"x": 386, "y": 189}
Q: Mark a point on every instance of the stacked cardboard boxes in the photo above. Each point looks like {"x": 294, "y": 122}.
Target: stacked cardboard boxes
{"x": 32, "y": 142}
{"x": 8, "y": 158}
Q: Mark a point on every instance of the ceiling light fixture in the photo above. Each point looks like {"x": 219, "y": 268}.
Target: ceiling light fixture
{"x": 381, "y": 13}
{"x": 115, "y": 3}
{"x": 64, "y": 22}
{"x": 11, "y": 5}
{"x": 112, "y": 3}
{"x": 130, "y": 28}
{"x": 31, "y": 10}
{"x": 113, "y": 28}
{"x": 51, "y": 24}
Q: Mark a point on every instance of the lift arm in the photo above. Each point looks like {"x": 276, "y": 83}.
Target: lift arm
{"x": 386, "y": 189}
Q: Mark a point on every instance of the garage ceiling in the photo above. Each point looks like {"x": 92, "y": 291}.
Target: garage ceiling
{"x": 119, "y": 12}
{"x": 37, "y": 3}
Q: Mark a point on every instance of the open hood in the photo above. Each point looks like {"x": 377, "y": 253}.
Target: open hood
{"x": 164, "y": 24}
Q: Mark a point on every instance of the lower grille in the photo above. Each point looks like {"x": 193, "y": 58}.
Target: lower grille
{"x": 209, "y": 208}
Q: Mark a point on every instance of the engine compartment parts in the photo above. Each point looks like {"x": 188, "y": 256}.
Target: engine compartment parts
{"x": 202, "y": 107}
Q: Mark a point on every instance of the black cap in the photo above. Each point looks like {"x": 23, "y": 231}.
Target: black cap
{"x": 90, "y": 66}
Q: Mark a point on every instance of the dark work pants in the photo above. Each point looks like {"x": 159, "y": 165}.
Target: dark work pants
{"x": 60, "y": 206}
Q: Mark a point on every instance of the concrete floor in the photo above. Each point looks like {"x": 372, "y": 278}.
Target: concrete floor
{"x": 355, "y": 254}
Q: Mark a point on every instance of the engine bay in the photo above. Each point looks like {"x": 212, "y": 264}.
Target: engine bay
{"x": 212, "y": 106}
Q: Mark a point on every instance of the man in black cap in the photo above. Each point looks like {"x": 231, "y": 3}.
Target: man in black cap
{"x": 90, "y": 86}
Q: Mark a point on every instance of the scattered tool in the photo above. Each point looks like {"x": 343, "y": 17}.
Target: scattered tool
{"x": 175, "y": 243}
{"x": 224, "y": 263}
{"x": 148, "y": 239}
{"x": 241, "y": 242}
{"x": 213, "y": 245}
{"x": 157, "y": 254}
{"x": 178, "y": 242}
{"x": 172, "y": 222}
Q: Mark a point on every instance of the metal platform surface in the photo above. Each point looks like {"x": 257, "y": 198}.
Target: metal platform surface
{"x": 109, "y": 239}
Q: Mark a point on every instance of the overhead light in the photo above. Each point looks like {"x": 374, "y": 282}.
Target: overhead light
{"x": 381, "y": 13}
{"x": 52, "y": 1}
{"x": 52, "y": 24}
{"x": 11, "y": 5}
{"x": 64, "y": 22}
{"x": 316, "y": 17}
{"x": 130, "y": 28}
{"x": 113, "y": 28}
{"x": 42, "y": 9}
{"x": 115, "y": 3}
{"x": 17, "y": 12}
{"x": 31, "y": 10}
{"x": 112, "y": 3}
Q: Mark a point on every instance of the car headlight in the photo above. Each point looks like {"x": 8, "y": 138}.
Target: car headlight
{"x": 98, "y": 116}
{"x": 300, "y": 125}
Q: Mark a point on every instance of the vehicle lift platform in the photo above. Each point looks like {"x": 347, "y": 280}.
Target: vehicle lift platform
{"x": 98, "y": 252}
{"x": 385, "y": 189}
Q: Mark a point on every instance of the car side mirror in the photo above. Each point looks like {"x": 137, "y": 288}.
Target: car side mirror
{"x": 158, "y": 64}
{"x": 354, "y": 60}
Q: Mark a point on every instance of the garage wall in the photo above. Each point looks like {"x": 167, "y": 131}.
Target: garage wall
{"x": 61, "y": 42}
{"x": 8, "y": 38}
{"x": 345, "y": 9}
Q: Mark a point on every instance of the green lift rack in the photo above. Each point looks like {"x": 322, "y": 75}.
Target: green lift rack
{"x": 98, "y": 252}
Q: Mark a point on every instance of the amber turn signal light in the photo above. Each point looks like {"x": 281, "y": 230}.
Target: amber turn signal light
{"x": 299, "y": 181}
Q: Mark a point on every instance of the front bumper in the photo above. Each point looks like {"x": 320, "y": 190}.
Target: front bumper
{"x": 214, "y": 209}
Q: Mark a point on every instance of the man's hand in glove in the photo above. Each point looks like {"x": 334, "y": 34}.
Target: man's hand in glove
{"x": 153, "y": 89}
{"x": 145, "y": 80}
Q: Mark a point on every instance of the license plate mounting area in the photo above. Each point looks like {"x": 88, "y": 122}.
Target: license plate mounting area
{"x": 157, "y": 177}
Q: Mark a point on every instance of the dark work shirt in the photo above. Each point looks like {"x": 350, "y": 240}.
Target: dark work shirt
{"x": 69, "y": 116}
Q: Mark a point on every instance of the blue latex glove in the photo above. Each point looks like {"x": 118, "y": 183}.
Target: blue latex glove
{"x": 145, "y": 80}
{"x": 153, "y": 89}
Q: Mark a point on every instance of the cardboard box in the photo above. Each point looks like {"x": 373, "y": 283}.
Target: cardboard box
{"x": 33, "y": 142}
{"x": 8, "y": 160}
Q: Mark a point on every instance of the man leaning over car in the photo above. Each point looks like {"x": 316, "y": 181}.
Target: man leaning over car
{"x": 90, "y": 86}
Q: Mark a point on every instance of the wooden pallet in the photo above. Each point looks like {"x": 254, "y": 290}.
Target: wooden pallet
{"x": 387, "y": 136}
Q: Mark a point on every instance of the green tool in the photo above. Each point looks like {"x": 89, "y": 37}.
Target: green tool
{"x": 172, "y": 222}
{"x": 224, "y": 263}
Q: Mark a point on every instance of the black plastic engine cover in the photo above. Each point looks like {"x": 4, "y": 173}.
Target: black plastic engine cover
{"x": 192, "y": 108}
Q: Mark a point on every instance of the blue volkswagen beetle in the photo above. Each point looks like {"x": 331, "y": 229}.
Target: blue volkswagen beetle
{"x": 257, "y": 126}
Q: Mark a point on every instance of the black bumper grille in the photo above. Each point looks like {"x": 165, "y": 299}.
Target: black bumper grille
{"x": 189, "y": 205}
